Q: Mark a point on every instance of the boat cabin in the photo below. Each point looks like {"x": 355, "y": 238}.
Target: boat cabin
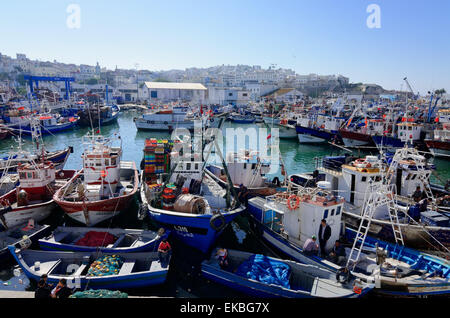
{"x": 408, "y": 131}
{"x": 35, "y": 180}
{"x": 303, "y": 222}
{"x": 353, "y": 179}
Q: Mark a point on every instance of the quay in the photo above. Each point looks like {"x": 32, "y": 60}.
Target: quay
{"x": 30, "y": 294}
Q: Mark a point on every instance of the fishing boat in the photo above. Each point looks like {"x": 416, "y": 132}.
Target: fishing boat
{"x": 408, "y": 170}
{"x": 324, "y": 128}
{"x": 104, "y": 186}
{"x": 166, "y": 119}
{"x": 439, "y": 145}
{"x": 4, "y": 133}
{"x": 108, "y": 240}
{"x": 93, "y": 116}
{"x": 261, "y": 276}
{"x": 285, "y": 220}
{"x": 59, "y": 158}
{"x": 248, "y": 168}
{"x": 242, "y": 119}
{"x": 50, "y": 123}
{"x": 95, "y": 270}
{"x": 32, "y": 199}
{"x": 178, "y": 194}
{"x": 22, "y": 236}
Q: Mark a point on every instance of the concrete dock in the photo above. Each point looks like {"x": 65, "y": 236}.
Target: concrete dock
{"x": 30, "y": 294}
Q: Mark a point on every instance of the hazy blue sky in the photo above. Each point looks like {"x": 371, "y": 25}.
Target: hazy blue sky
{"x": 309, "y": 36}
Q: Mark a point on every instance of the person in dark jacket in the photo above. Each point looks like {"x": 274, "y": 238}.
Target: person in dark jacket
{"x": 337, "y": 255}
{"x": 42, "y": 291}
{"x": 61, "y": 290}
{"x": 324, "y": 235}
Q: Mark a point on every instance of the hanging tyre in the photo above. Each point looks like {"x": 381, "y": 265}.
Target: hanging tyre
{"x": 218, "y": 222}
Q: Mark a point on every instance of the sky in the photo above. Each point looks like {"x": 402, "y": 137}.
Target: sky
{"x": 308, "y": 36}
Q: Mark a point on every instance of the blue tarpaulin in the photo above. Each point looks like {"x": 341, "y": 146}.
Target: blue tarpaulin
{"x": 263, "y": 269}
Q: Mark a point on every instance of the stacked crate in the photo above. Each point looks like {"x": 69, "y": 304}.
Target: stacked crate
{"x": 156, "y": 158}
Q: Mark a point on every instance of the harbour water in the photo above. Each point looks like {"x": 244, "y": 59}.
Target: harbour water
{"x": 184, "y": 279}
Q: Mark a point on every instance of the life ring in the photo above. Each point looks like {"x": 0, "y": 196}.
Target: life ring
{"x": 297, "y": 202}
{"x": 223, "y": 222}
{"x": 343, "y": 275}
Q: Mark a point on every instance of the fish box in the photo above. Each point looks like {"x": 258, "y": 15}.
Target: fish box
{"x": 434, "y": 219}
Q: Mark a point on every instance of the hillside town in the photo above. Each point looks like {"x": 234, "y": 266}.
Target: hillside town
{"x": 224, "y": 84}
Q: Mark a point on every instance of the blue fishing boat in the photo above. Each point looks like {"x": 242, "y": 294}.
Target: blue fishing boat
{"x": 286, "y": 220}
{"x": 24, "y": 235}
{"x": 242, "y": 119}
{"x": 113, "y": 240}
{"x": 190, "y": 202}
{"x": 261, "y": 276}
{"x": 49, "y": 124}
{"x": 95, "y": 270}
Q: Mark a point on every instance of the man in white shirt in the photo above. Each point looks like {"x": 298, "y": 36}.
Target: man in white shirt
{"x": 311, "y": 247}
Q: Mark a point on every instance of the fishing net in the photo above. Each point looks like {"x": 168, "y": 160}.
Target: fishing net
{"x": 100, "y": 293}
{"x": 105, "y": 266}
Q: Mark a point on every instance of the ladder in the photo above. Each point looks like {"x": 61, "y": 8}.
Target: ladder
{"x": 405, "y": 153}
{"x": 376, "y": 195}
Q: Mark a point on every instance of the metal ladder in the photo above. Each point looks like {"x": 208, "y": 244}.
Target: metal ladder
{"x": 377, "y": 195}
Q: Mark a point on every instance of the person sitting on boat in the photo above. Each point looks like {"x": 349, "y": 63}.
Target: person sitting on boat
{"x": 311, "y": 247}
{"x": 324, "y": 235}
{"x": 418, "y": 194}
{"x": 222, "y": 256}
{"x": 243, "y": 194}
{"x": 337, "y": 254}
{"x": 423, "y": 204}
{"x": 61, "y": 290}
{"x": 164, "y": 252}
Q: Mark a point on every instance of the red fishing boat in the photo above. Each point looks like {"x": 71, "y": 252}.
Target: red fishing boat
{"x": 104, "y": 186}
{"x": 33, "y": 198}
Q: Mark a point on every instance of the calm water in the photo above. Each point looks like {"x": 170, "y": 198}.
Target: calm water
{"x": 184, "y": 279}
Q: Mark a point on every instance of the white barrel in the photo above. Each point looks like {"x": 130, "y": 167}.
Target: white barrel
{"x": 325, "y": 185}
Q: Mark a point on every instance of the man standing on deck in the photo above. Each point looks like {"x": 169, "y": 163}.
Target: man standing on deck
{"x": 324, "y": 235}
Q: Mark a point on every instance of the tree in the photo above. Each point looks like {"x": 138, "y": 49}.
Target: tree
{"x": 440, "y": 91}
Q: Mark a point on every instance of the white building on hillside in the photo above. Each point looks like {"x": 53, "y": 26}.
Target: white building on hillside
{"x": 165, "y": 92}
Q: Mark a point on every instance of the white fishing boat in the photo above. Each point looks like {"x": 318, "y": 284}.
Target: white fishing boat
{"x": 103, "y": 187}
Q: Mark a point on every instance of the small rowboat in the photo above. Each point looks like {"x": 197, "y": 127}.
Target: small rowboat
{"x": 126, "y": 241}
{"x": 21, "y": 236}
{"x": 135, "y": 270}
{"x": 262, "y": 276}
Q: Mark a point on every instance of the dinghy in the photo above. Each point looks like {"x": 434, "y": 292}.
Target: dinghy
{"x": 23, "y": 235}
{"x": 81, "y": 270}
{"x": 81, "y": 239}
{"x": 262, "y": 276}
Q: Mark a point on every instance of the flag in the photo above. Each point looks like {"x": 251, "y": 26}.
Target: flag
{"x": 201, "y": 109}
{"x": 270, "y": 136}
{"x": 98, "y": 131}
{"x": 349, "y": 121}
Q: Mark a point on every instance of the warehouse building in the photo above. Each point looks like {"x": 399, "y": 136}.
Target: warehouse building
{"x": 166, "y": 92}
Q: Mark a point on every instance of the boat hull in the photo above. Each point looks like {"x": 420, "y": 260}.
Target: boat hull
{"x": 311, "y": 135}
{"x": 439, "y": 148}
{"x": 355, "y": 139}
{"x": 91, "y": 213}
{"x": 193, "y": 230}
